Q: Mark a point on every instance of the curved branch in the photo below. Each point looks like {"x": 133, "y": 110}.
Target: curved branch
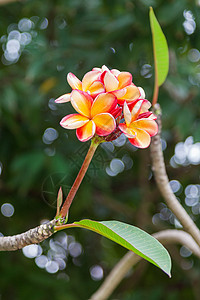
{"x": 33, "y": 236}
{"x": 170, "y": 236}
{"x": 158, "y": 167}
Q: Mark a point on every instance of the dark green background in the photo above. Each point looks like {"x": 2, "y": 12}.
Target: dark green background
{"x": 79, "y": 36}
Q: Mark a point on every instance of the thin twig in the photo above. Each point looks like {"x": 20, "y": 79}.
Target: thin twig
{"x": 117, "y": 274}
{"x": 68, "y": 201}
{"x": 162, "y": 181}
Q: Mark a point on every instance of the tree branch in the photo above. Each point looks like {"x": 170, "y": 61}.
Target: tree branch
{"x": 33, "y": 236}
{"x": 170, "y": 236}
{"x": 162, "y": 181}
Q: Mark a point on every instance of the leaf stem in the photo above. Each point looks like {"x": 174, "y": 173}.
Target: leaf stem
{"x": 68, "y": 201}
{"x": 156, "y": 89}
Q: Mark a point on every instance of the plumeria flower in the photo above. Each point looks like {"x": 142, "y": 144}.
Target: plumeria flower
{"x": 120, "y": 84}
{"x": 90, "y": 84}
{"x": 102, "y": 80}
{"x": 139, "y": 126}
{"x": 93, "y": 115}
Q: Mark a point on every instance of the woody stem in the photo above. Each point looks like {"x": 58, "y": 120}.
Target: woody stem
{"x": 68, "y": 201}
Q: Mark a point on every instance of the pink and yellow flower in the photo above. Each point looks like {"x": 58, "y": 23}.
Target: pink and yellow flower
{"x": 140, "y": 124}
{"x": 103, "y": 80}
{"x": 101, "y": 100}
{"x": 120, "y": 84}
{"x": 93, "y": 115}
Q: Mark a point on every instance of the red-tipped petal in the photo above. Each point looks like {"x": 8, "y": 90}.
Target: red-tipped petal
{"x": 64, "y": 98}
{"x": 74, "y": 82}
{"x": 105, "y": 124}
{"x": 86, "y": 132}
{"x": 110, "y": 81}
{"x": 103, "y": 103}
{"x": 73, "y": 121}
{"x": 130, "y": 133}
{"x": 142, "y": 139}
{"x": 147, "y": 115}
{"x": 145, "y": 105}
{"x": 125, "y": 79}
{"x": 150, "y": 126}
{"x": 116, "y": 112}
{"x": 81, "y": 102}
{"x": 89, "y": 78}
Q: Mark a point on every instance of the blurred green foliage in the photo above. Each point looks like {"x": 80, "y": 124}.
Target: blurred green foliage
{"x": 74, "y": 36}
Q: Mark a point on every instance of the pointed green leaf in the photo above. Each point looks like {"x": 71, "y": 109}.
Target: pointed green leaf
{"x": 160, "y": 49}
{"x": 132, "y": 238}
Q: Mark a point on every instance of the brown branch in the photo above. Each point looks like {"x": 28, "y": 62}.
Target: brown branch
{"x": 33, "y": 236}
{"x": 162, "y": 181}
{"x": 117, "y": 274}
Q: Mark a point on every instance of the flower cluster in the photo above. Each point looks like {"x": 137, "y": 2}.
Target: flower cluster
{"x": 108, "y": 104}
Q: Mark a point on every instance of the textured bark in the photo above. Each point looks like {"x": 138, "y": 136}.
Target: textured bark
{"x": 158, "y": 167}
{"x": 32, "y": 236}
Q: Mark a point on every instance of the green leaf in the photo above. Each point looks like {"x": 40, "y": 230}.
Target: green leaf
{"x": 132, "y": 238}
{"x": 160, "y": 49}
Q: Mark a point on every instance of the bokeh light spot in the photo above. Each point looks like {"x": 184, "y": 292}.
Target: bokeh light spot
{"x": 7, "y": 210}
{"x": 32, "y": 251}
{"x": 96, "y": 272}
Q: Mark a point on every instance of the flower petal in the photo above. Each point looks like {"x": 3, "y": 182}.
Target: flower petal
{"x": 116, "y": 112}
{"x": 96, "y": 88}
{"x": 127, "y": 114}
{"x": 115, "y": 72}
{"x": 86, "y": 132}
{"x": 145, "y": 105}
{"x": 73, "y": 121}
{"x": 125, "y": 79}
{"x": 104, "y": 68}
{"x": 74, "y": 82}
{"x": 64, "y": 98}
{"x": 97, "y": 69}
{"x": 136, "y": 110}
{"x": 132, "y": 93}
{"x": 150, "y": 126}
{"x": 130, "y": 133}
{"x": 81, "y": 102}
{"x": 105, "y": 124}
{"x": 104, "y": 102}
{"x": 119, "y": 93}
{"x": 142, "y": 139}
{"x": 89, "y": 78}
{"x": 142, "y": 93}
{"x": 110, "y": 81}
{"x": 147, "y": 115}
